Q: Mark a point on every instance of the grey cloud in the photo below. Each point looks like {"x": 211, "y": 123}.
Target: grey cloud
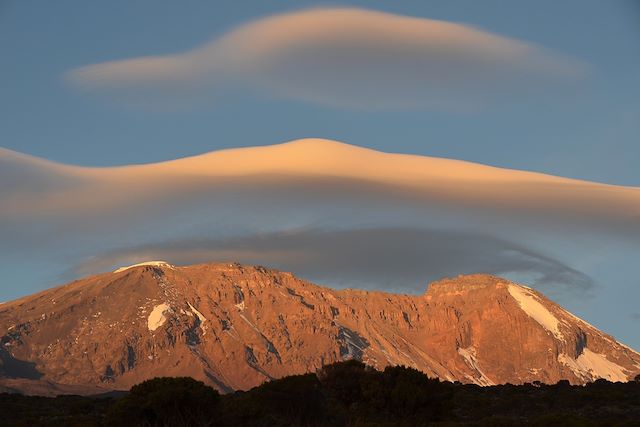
{"x": 392, "y": 259}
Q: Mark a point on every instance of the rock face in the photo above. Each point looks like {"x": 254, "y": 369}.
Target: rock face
{"x": 236, "y": 326}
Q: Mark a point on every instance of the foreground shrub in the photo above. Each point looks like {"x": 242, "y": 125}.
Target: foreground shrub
{"x": 162, "y": 402}
{"x": 291, "y": 401}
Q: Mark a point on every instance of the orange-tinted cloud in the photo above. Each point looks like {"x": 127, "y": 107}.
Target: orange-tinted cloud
{"x": 343, "y": 57}
{"x": 306, "y": 173}
{"x": 425, "y": 216}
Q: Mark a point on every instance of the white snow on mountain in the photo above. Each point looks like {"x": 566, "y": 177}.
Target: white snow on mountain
{"x": 529, "y": 304}
{"x": 197, "y": 313}
{"x": 469, "y": 356}
{"x": 153, "y": 263}
{"x": 157, "y": 317}
{"x": 590, "y": 365}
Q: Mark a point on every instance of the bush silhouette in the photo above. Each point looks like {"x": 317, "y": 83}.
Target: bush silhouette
{"x": 343, "y": 380}
{"x": 396, "y": 393}
{"x": 343, "y": 394}
{"x": 412, "y": 394}
{"x": 180, "y": 401}
{"x": 291, "y": 401}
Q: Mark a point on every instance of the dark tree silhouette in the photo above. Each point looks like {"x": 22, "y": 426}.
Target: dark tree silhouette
{"x": 160, "y": 402}
{"x": 342, "y": 394}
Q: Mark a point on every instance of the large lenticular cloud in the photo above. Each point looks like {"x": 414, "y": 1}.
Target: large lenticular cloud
{"x": 343, "y": 57}
{"x": 309, "y": 174}
{"x": 363, "y": 213}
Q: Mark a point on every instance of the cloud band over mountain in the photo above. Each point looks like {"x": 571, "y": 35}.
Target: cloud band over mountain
{"x": 362, "y": 216}
{"x": 391, "y": 259}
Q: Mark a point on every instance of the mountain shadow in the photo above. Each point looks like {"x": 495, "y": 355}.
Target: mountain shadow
{"x": 16, "y": 368}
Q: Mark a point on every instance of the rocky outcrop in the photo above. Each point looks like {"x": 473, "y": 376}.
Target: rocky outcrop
{"x": 236, "y": 326}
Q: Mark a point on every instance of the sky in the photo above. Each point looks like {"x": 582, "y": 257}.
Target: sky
{"x": 544, "y": 86}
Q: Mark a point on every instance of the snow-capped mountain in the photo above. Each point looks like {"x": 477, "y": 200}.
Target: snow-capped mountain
{"x": 236, "y": 326}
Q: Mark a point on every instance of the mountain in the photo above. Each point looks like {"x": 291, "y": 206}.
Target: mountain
{"x": 236, "y": 326}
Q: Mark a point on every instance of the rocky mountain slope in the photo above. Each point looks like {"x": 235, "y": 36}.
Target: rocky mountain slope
{"x": 236, "y": 326}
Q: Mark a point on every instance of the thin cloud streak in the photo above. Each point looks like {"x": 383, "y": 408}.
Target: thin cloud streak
{"x": 345, "y": 57}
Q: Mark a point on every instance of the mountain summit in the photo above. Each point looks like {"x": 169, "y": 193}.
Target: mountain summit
{"x": 236, "y": 326}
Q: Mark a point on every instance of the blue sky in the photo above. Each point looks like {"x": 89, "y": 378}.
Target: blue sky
{"x": 589, "y": 131}
{"x": 591, "y": 134}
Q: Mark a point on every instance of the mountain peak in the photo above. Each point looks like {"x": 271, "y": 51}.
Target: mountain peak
{"x": 465, "y": 282}
{"x": 236, "y": 326}
{"x": 145, "y": 263}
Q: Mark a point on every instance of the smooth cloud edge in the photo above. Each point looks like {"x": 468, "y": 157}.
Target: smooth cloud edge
{"x": 191, "y": 70}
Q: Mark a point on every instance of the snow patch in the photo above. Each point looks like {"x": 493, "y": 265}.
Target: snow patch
{"x": 240, "y": 306}
{"x": 597, "y": 365}
{"x": 157, "y": 317}
{"x": 469, "y": 355}
{"x": 529, "y": 303}
{"x": 153, "y": 263}
{"x": 590, "y": 365}
{"x": 197, "y": 313}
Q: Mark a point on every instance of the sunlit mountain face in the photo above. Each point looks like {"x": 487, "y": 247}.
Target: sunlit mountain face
{"x": 236, "y": 326}
{"x": 374, "y": 149}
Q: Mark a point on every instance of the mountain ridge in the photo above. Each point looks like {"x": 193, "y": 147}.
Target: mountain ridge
{"x": 236, "y": 326}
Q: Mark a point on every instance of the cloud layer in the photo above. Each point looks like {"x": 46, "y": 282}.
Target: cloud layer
{"x": 360, "y": 217}
{"x": 343, "y": 57}
{"x": 314, "y": 175}
{"x": 391, "y": 259}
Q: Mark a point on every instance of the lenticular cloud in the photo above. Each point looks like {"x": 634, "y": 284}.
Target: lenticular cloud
{"x": 342, "y": 57}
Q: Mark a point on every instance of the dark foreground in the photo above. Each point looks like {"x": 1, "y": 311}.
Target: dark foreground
{"x": 342, "y": 394}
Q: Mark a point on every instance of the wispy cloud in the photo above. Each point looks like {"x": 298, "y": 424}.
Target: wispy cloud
{"x": 343, "y": 57}
{"x": 392, "y": 259}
